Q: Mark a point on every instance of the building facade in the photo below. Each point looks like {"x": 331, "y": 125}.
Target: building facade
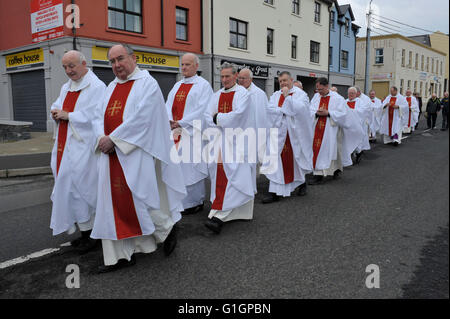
{"x": 402, "y": 62}
{"x": 270, "y": 36}
{"x": 342, "y": 49}
{"x": 31, "y": 72}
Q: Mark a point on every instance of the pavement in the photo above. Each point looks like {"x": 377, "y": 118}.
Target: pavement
{"x": 390, "y": 211}
{"x": 27, "y": 157}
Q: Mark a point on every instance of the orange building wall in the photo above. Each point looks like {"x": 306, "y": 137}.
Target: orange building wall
{"x": 15, "y": 16}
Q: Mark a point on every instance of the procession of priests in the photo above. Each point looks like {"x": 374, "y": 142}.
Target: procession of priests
{"x": 129, "y": 164}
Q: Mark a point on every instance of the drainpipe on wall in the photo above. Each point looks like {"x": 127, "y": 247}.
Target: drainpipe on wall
{"x": 212, "y": 43}
{"x": 162, "y": 23}
{"x": 74, "y": 29}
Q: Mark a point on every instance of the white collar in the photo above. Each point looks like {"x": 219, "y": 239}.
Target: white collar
{"x": 190, "y": 80}
{"x": 81, "y": 84}
{"x": 230, "y": 89}
{"x": 129, "y": 77}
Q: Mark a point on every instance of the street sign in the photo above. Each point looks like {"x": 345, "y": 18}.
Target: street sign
{"x": 47, "y": 20}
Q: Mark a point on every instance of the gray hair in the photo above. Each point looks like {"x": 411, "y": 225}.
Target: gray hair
{"x": 227, "y": 65}
{"x": 250, "y": 73}
{"x": 354, "y": 89}
{"x": 81, "y": 56}
{"x": 127, "y": 47}
{"x": 358, "y": 90}
{"x": 299, "y": 82}
{"x": 196, "y": 58}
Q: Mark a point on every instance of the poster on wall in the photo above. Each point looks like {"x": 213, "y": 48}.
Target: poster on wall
{"x": 47, "y": 20}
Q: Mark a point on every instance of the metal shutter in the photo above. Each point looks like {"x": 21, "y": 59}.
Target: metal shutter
{"x": 29, "y": 103}
{"x": 104, "y": 74}
{"x": 166, "y": 81}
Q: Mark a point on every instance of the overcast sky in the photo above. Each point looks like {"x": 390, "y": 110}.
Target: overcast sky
{"x": 426, "y": 14}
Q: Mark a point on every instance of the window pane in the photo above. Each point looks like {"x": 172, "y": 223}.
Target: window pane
{"x": 134, "y": 6}
{"x": 242, "y": 42}
{"x": 181, "y": 16}
{"x": 133, "y": 23}
{"x": 115, "y": 20}
{"x": 233, "y": 40}
{"x": 242, "y": 28}
{"x": 118, "y": 4}
{"x": 233, "y": 26}
{"x": 181, "y": 32}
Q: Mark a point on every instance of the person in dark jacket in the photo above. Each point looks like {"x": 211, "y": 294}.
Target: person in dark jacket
{"x": 445, "y": 112}
{"x": 419, "y": 100}
{"x": 433, "y": 107}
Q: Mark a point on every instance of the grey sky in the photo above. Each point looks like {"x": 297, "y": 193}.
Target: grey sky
{"x": 426, "y": 14}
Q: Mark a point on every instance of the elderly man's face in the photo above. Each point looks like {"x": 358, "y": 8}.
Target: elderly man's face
{"x": 351, "y": 95}
{"x": 228, "y": 78}
{"x": 123, "y": 64}
{"x": 286, "y": 81}
{"x": 408, "y": 93}
{"x": 372, "y": 94}
{"x": 244, "y": 79}
{"x": 73, "y": 67}
{"x": 189, "y": 66}
{"x": 393, "y": 92}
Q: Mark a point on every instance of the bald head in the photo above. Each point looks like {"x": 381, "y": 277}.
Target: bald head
{"x": 245, "y": 78}
{"x": 74, "y": 64}
{"x": 189, "y": 65}
{"x": 334, "y": 89}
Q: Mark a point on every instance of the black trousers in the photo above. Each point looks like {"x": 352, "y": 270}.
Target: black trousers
{"x": 431, "y": 120}
{"x": 445, "y": 117}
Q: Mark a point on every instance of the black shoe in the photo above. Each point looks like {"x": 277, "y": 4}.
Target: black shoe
{"x": 123, "y": 263}
{"x": 337, "y": 174}
{"x": 87, "y": 245}
{"x": 395, "y": 144}
{"x": 214, "y": 224}
{"x": 270, "y": 198}
{"x": 358, "y": 158}
{"x": 76, "y": 242}
{"x": 316, "y": 180}
{"x": 171, "y": 241}
{"x": 193, "y": 210}
{"x": 302, "y": 190}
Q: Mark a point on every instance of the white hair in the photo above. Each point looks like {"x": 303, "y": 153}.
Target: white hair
{"x": 80, "y": 55}
{"x": 249, "y": 72}
{"x": 353, "y": 89}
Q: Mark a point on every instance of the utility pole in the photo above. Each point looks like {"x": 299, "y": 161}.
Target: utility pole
{"x": 74, "y": 29}
{"x": 367, "y": 74}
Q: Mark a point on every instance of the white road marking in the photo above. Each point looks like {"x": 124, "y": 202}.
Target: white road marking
{"x": 22, "y": 259}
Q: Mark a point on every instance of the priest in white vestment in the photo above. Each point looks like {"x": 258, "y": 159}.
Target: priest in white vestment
{"x": 73, "y": 162}
{"x": 364, "y": 112}
{"x": 337, "y": 133}
{"x": 259, "y": 100}
{"x": 412, "y": 116}
{"x": 290, "y": 113}
{"x": 140, "y": 189}
{"x": 230, "y": 120}
{"x": 395, "y": 107}
{"x": 186, "y": 105}
{"x": 377, "y": 110}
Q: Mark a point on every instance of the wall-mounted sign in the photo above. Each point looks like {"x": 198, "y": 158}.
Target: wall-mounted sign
{"x": 382, "y": 76}
{"x": 144, "y": 59}
{"x": 47, "y": 20}
{"x": 423, "y": 76}
{"x": 24, "y": 60}
{"x": 258, "y": 70}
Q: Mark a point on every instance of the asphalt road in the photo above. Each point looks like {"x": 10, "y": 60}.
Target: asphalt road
{"x": 391, "y": 211}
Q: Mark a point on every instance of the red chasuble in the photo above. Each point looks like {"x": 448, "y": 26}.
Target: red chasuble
{"x": 287, "y": 155}
{"x": 320, "y": 129}
{"x": 410, "y": 111}
{"x": 125, "y": 217}
{"x": 179, "y": 103}
{"x": 351, "y": 104}
{"x": 68, "y": 106}
{"x": 225, "y": 106}
{"x": 391, "y": 113}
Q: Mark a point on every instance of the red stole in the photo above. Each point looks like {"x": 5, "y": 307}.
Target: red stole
{"x": 225, "y": 106}
{"x": 179, "y": 104}
{"x": 125, "y": 217}
{"x": 410, "y": 111}
{"x": 287, "y": 155}
{"x": 351, "y": 104}
{"x": 68, "y": 106}
{"x": 320, "y": 129}
{"x": 391, "y": 113}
